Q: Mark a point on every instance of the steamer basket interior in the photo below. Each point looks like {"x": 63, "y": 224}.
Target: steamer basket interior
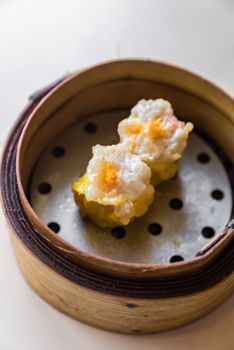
{"x": 55, "y": 147}
{"x": 187, "y": 213}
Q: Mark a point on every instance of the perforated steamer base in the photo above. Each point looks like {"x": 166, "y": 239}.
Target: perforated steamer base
{"x": 187, "y": 212}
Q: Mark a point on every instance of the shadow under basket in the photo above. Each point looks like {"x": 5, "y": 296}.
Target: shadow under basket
{"x": 166, "y": 269}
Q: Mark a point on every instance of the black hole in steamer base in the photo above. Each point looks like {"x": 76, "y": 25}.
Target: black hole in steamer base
{"x": 176, "y": 203}
{"x": 217, "y": 194}
{"x": 54, "y": 226}
{"x": 58, "y": 151}
{"x": 118, "y": 232}
{"x": 90, "y": 128}
{"x": 203, "y": 158}
{"x": 154, "y": 228}
{"x": 208, "y": 232}
{"x": 176, "y": 258}
{"x": 44, "y": 188}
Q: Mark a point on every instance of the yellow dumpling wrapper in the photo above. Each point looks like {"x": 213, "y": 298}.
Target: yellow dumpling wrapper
{"x": 104, "y": 215}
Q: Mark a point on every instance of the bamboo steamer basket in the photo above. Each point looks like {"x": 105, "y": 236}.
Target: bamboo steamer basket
{"x": 131, "y": 294}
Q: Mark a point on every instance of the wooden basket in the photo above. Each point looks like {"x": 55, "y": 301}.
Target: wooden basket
{"x": 115, "y": 295}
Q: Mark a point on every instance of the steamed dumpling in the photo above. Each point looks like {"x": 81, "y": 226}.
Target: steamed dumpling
{"x": 153, "y": 133}
{"x": 116, "y": 187}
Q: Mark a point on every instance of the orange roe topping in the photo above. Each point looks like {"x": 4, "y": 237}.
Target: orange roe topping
{"x": 155, "y": 129}
{"x": 110, "y": 174}
{"x": 135, "y": 128}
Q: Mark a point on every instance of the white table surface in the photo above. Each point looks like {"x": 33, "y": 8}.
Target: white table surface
{"x": 42, "y": 40}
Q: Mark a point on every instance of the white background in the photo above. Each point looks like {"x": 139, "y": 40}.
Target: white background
{"x": 42, "y": 40}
